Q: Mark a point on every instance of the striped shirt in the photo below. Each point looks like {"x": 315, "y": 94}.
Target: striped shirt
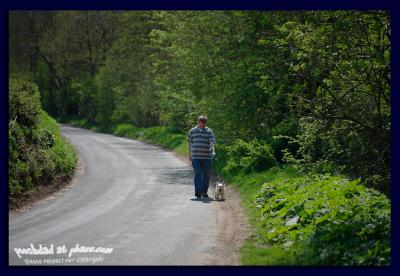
{"x": 200, "y": 138}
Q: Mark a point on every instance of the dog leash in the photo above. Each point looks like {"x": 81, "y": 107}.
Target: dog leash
{"x": 216, "y": 167}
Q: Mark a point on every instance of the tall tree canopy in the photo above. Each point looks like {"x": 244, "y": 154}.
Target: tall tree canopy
{"x": 314, "y": 84}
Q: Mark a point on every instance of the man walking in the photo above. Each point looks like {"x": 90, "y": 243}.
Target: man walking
{"x": 201, "y": 151}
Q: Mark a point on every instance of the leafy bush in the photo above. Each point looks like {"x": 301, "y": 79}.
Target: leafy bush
{"x": 345, "y": 145}
{"x": 127, "y": 130}
{"x": 282, "y": 137}
{"x": 24, "y": 102}
{"x": 323, "y": 220}
{"x": 38, "y": 155}
{"x": 43, "y": 137}
{"x": 168, "y": 137}
{"x": 245, "y": 157}
{"x": 83, "y": 123}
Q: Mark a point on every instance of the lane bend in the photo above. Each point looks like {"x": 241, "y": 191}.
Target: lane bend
{"x": 133, "y": 197}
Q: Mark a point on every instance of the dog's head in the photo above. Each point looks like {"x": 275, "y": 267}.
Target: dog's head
{"x": 220, "y": 186}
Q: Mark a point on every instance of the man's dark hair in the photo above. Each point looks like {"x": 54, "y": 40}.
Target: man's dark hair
{"x": 202, "y": 118}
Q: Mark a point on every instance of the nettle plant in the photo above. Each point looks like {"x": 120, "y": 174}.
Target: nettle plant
{"x": 329, "y": 219}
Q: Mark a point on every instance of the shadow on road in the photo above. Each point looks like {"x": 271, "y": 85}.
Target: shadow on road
{"x": 174, "y": 175}
{"x": 203, "y": 200}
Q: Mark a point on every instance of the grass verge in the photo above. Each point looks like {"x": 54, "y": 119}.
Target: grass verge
{"x": 306, "y": 218}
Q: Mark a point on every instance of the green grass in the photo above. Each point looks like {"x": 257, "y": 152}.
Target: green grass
{"x": 182, "y": 149}
{"x": 62, "y": 153}
{"x": 166, "y": 137}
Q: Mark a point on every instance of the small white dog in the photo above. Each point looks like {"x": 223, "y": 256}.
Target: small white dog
{"x": 219, "y": 190}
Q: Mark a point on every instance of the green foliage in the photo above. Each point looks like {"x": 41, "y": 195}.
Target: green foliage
{"x": 24, "y": 102}
{"x": 83, "y": 90}
{"x": 314, "y": 85}
{"x": 313, "y": 219}
{"x": 125, "y": 84}
{"x": 61, "y": 153}
{"x": 168, "y": 137}
{"x": 83, "y": 123}
{"x": 43, "y": 137}
{"x": 246, "y": 157}
{"x": 340, "y": 147}
{"x": 282, "y": 137}
{"x": 127, "y": 130}
{"x": 38, "y": 155}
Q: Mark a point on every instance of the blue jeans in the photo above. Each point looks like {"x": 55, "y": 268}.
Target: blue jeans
{"x": 201, "y": 175}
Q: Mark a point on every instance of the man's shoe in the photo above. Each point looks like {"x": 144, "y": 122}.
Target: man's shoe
{"x": 198, "y": 195}
{"x": 205, "y": 196}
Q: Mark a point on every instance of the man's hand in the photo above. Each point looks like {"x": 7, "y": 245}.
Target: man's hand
{"x": 212, "y": 148}
{"x": 190, "y": 157}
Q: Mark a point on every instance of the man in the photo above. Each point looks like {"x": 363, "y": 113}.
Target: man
{"x": 201, "y": 151}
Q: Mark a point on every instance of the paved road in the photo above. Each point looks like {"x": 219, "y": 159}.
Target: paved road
{"x": 132, "y": 197}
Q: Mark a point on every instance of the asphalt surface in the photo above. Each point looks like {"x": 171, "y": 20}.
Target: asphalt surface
{"x": 133, "y": 198}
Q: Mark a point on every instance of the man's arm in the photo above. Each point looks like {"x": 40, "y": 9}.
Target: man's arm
{"x": 212, "y": 147}
{"x": 190, "y": 151}
{"x": 211, "y": 141}
{"x": 189, "y": 139}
